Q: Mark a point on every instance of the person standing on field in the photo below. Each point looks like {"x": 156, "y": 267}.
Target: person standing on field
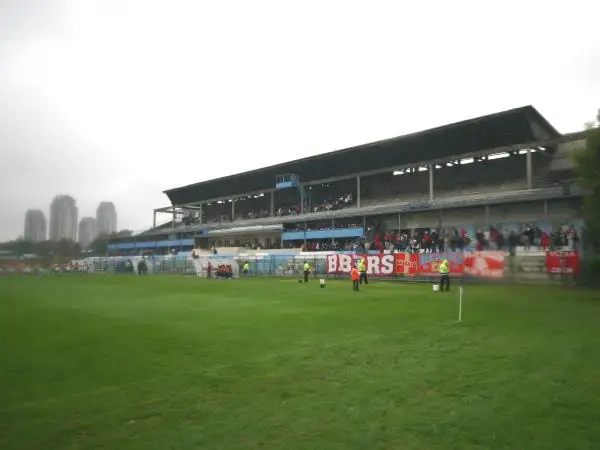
{"x": 355, "y": 275}
{"x": 306, "y": 271}
{"x": 444, "y": 275}
{"x": 362, "y": 268}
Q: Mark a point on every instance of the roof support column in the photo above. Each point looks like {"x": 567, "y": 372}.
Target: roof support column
{"x": 304, "y": 249}
{"x": 154, "y": 220}
{"x": 442, "y": 241}
{"x": 358, "y": 191}
{"x": 431, "y": 167}
{"x": 232, "y": 209}
{"x": 272, "y": 209}
{"x": 201, "y": 214}
{"x": 302, "y": 199}
{"x": 529, "y": 164}
{"x": 174, "y": 217}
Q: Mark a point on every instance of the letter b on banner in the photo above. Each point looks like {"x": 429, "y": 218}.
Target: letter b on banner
{"x": 345, "y": 263}
{"x": 339, "y": 263}
{"x": 331, "y": 263}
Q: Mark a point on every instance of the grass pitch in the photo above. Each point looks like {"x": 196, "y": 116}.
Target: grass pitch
{"x": 108, "y": 362}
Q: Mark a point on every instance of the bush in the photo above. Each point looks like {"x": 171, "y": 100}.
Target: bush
{"x": 590, "y": 272}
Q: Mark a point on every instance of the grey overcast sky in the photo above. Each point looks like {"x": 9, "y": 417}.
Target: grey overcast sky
{"x": 119, "y": 99}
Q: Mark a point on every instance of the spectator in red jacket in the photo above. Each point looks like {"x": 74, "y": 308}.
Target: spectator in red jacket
{"x": 545, "y": 240}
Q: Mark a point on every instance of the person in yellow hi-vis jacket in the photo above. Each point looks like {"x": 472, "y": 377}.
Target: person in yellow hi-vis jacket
{"x": 362, "y": 268}
{"x": 306, "y": 271}
{"x": 246, "y": 268}
{"x": 444, "y": 275}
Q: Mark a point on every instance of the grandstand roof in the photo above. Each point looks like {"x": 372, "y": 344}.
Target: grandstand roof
{"x": 515, "y": 126}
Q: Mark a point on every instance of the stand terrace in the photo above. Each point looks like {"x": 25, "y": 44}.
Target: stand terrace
{"x": 506, "y": 170}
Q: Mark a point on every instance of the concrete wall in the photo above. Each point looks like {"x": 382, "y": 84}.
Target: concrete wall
{"x": 243, "y": 237}
{"x": 553, "y": 210}
{"x": 419, "y": 219}
{"x": 563, "y": 158}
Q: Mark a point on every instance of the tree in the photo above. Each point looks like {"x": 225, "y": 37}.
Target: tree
{"x": 68, "y": 248}
{"x": 587, "y": 161}
{"x": 23, "y": 247}
{"x": 47, "y": 251}
{"x": 99, "y": 245}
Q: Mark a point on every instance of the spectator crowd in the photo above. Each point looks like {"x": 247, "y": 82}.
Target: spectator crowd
{"x": 430, "y": 241}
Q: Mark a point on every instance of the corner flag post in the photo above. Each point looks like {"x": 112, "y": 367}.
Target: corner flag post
{"x": 460, "y": 296}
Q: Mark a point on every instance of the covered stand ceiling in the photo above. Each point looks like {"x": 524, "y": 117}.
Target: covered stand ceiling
{"x": 512, "y": 127}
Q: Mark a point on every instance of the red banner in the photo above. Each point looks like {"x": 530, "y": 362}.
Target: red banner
{"x": 406, "y": 263}
{"x": 383, "y": 265}
{"x": 563, "y": 262}
{"x": 478, "y": 264}
{"x": 429, "y": 263}
{"x": 484, "y": 264}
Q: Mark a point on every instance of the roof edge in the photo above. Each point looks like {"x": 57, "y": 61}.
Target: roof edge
{"x": 529, "y": 109}
{"x": 543, "y": 121}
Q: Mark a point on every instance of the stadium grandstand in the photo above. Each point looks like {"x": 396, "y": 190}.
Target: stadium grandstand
{"x": 486, "y": 181}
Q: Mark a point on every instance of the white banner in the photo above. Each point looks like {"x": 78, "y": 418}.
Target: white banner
{"x": 219, "y": 267}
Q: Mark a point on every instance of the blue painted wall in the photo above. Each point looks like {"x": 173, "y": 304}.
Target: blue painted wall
{"x": 323, "y": 234}
{"x": 152, "y": 244}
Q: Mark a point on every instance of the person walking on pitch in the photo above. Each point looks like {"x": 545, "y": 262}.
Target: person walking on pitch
{"x": 444, "y": 275}
{"x": 355, "y": 275}
{"x": 306, "y": 271}
{"x": 362, "y": 268}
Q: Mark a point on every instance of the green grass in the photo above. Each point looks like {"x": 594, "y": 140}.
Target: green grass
{"x": 103, "y": 362}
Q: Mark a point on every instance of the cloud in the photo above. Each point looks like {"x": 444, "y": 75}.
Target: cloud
{"x": 26, "y": 21}
{"x": 119, "y": 99}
